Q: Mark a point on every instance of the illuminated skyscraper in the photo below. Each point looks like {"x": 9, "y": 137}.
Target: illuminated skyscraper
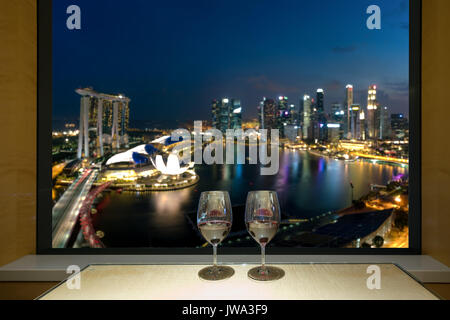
{"x": 226, "y": 114}
{"x": 261, "y": 114}
{"x": 236, "y": 115}
{"x": 347, "y": 106}
{"x": 355, "y": 110}
{"x": 124, "y": 117}
{"x": 215, "y": 106}
{"x": 268, "y": 114}
{"x": 293, "y": 115}
{"x": 320, "y": 101}
{"x": 320, "y": 117}
{"x": 283, "y": 117}
{"x": 337, "y": 112}
{"x": 93, "y": 115}
{"x": 399, "y": 126}
{"x": 306, "y": 107}
{"x": 372, "y": 113}
{"x": 221, "y": 114}
{"x": 384, "y": 125}
{"x": 362, "y": 125}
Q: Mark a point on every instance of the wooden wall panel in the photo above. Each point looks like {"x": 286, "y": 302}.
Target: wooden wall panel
{"x": 24, "y": 290}
{"x": 436, "y": 133}
{"x": 18, "y": 39}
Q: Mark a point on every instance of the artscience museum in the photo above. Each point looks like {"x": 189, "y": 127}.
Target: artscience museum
{"x": 152, "y": 167}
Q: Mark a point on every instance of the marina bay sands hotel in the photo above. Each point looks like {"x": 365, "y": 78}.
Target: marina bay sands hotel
{"x": 104, "y": 118}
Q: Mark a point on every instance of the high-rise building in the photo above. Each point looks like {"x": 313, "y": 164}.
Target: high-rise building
{"x": 320, "y": 101}
{"x": 236, "y": 115}
{"x": 372, "y": 113}
{"x": 293, "y": 115}
{"x": 124, "y": 117}
{"x": 355, "y": 111}
{"x": 337, "y": 112}
{"x": 306, "y": 126}
{"x": 283, "y": 114}
{"x": 221, "y": 114}
{"x": 337, "y": 116}
{"x": 320, "y": 116}
{"x": 362, "y": 126}
{"x": 215, "y": 108}
{"x": 334, "y": 131}
{"x": 301, "y": 113}
{"x": 399, "y": 126}
{"x": 261, "y": 117}
{"x": 268, "y": 114}
{"x": 226, "y": 114}
{"x": 384, "y": 123}
{"x": 347, "y": 105}
{"x": 102, "y": 112}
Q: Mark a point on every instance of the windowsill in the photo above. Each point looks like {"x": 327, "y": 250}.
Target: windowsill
{"x": 53, "y": 267}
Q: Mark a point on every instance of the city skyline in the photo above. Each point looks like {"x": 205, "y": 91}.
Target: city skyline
{"x": 186, "y": 87}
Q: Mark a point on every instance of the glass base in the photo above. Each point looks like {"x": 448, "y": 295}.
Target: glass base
{"x": 266, "y": 274}
{"x": 216, "y": 273}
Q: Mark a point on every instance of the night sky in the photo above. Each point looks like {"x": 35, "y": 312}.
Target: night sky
{"x": 172, "y": 57}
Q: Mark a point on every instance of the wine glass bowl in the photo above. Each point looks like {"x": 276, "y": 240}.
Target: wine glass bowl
{"x": 214, "y": 220}
{"x": 262, "y": 218}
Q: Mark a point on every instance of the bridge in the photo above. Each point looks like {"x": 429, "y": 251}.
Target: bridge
{"x": 65, "y": 212}
{"x": 87, "y": 227}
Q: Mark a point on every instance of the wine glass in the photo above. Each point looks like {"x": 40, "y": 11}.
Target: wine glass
{"x": 214, "y": 218}
{"x": 262, "y": 217}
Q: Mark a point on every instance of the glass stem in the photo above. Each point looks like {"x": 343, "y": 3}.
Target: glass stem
{"x": 263, "y": 258}
{"x": 215, "y": 256}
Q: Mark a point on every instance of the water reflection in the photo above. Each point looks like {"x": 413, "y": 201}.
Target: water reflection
{"x": 307, "y": 186}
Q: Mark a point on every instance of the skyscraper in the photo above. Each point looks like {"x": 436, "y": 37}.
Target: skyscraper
{"x": 320, "y": 116}
{"x": 124, "y": 117}
{"x": 337, "y": 112}
{"x": 293, "y": 115}
{"x": 347, "y": 106}
{"x": 226, "y": 114}
{"x": 306, "y": 107}
{"x": 372, "y": 113}
{"x": 399, "y": 126}
{"x": 362, "y": 126}
{"x": 320, "y": 101}
{"x": 236, "y": 115}
{"x": 355, "y": 112}
{"x": 384, "y": 123}
{"x": 268, "y": 114}
{"x": 261, "y": 117}
{"x": 94, "y": 114}
{"x": 215, "y": 108}
{"x": 283, "y": 114}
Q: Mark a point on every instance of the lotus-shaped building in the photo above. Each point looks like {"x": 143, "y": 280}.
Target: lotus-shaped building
{"x": 167, "y": 164}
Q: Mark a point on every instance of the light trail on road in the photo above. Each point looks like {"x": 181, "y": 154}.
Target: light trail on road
{"x": 69, "y": 216}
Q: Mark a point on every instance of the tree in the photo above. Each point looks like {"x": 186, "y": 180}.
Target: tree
{"x": 392, "y": 186}
{"x": 359, "y": 204}
{"x": 401, "y": 219}
{"x": 366, "y": 245}
{"x": 378, "y": 241}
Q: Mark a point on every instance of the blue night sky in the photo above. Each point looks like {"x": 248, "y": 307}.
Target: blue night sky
{"x": 172, "y": 57}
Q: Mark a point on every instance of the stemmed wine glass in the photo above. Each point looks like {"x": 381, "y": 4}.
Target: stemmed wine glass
{"x": 262, "y": 217}
{"x": 214, "y": 219}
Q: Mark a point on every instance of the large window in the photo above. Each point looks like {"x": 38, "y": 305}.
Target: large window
{"x": 151, "y": 103}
